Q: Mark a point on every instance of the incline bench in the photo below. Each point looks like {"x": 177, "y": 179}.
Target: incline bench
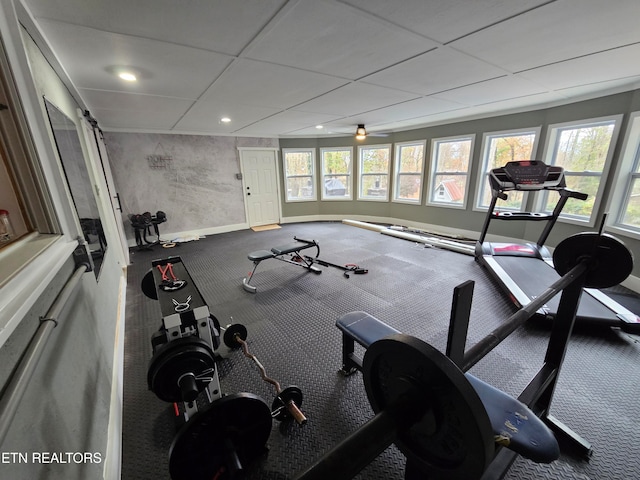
{"x": 514, "y": 425}
{"x": 286, "y": 253}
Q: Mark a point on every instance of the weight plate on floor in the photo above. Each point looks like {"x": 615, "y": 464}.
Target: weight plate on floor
{"x": 229, "y": 433}
{"x": 452, "y": 438}
{"x": 610, "y": 261}
{"x": 173, "y": 360}
{"x": 230, "y": 333}
{"x": 148, "y": 285}
{"x": 281, "y": 401}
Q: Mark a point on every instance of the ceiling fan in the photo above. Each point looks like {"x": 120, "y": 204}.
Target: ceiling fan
{"x": 361, "y": 133}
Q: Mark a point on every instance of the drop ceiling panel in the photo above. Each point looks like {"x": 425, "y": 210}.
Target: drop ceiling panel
{"x": 435, "y": 71}
{"x": 218, "y": 25}
{"x": 495, "y": 90}
{"x": 288, "y": 121}
{"x": 445, "y": 20}
{"x": 331, "y": 38}
{"x": 556, "y": 32}
{"x": 164, "y": 69}
{"x": 206, "y": 114}
{"x": 411, "y": 109}
{"x": 589, "y": 70}
{"x": 266, "y": 85}
{"x": 612, "y": 86}
{"x": 354, "y": 98}
{"x": 168, "y": 108}
{"x": 115, "y": 110}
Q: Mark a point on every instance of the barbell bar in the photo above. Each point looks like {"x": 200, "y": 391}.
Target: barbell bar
{"x": 286, "y": 402}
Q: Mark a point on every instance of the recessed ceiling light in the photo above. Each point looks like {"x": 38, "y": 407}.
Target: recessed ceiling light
{"x": 319, "y": 127}
{"x": 225, "y": 119}
{"x": 128, "y": 76}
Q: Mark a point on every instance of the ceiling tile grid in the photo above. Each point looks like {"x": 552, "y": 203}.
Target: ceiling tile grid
{"x": 280, "y": 67}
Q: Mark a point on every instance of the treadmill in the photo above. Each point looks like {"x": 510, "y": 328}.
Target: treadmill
{"x": 526, "y": 270}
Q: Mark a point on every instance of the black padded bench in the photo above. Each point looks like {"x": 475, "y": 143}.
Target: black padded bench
{"x": 289, "y": 253}
{"x": 514, "y": 425}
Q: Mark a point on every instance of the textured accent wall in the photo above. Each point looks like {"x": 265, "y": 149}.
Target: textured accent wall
{"x": 191, "y": 178}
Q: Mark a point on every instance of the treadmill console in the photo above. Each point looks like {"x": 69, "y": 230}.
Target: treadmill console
{"x": 527, "y": 175}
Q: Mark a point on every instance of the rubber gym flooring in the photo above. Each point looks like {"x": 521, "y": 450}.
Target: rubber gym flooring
{"x": 291, "y": 330}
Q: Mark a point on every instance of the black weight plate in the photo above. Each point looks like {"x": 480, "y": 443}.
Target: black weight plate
{"x": 230, "y": 333}
{"x": 172, "y": 360}
{"x": 148, "y": 285}
{"x": 610, "y": 261}
{"x": 453, "y": 440}
{"x": 280, "y": 401}
{"x": 200, "y": 449}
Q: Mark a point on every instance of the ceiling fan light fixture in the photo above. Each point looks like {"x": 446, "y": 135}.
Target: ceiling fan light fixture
{"x": 361, "y": 133}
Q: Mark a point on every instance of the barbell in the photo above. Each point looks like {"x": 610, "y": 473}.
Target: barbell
{"x": 424, "y": 403}
{"x": 287, "y": 401}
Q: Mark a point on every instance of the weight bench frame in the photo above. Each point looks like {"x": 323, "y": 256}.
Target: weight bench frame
{"x": 285, "y": 253}
{"x": 501, "y": 408}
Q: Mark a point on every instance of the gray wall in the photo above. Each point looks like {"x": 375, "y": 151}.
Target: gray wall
{"x": 192, "y": 178}
{"x": 467, "y": 219}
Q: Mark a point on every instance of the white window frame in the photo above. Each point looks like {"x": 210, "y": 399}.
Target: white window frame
{"x": 397, "y": 174}
{"x": 620, "y": 191}
{"x": 482, "y": 175}
{"x": 548, "y": 154}
{"x": 434, "y": 170}
{"x": 323, "y": 175}
{"x": 312, "y": 176}
{"x": 387, "y": 173}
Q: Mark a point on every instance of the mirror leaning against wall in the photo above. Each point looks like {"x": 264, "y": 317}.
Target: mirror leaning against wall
{"x": 75, "y": 169}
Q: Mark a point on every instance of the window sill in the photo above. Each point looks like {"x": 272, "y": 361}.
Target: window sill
{"x": 26, "y": 268}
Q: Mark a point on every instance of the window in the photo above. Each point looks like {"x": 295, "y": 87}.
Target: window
{"x": 625, "y": 192}
{"x": 336, "y": 173}
{"x": 374, "y": 172}
{"x": 498, "y": 149}
{"x": 299, "y": 167}
{"x": 23, "y": 192}
{"x": 450, "y": 162}
{"x": 409, "y": 165}
{"x": 584, "y": 150}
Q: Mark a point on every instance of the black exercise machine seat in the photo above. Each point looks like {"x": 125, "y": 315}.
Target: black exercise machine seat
{"x": 524, "y": 270}
{"x": 289, "y": 253}
{"x": 515, "y": 426}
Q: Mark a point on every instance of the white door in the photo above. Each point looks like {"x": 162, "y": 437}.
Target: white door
{"x": 260, "y": 186}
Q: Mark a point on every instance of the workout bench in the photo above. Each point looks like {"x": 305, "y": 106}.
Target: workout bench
{"x": 286, "y": 253}
{"x": 514, "y": 425}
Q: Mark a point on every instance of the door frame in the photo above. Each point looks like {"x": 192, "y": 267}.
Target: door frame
{"x": 278, "y": 177}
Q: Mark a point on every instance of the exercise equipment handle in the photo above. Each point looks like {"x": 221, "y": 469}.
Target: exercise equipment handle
{"x": 296, "y": 413}
{"x": 492, "y": 340}
{"x": 309, "y": 242}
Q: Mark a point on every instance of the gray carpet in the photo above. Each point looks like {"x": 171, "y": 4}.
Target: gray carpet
{"x": 291, "y": 325}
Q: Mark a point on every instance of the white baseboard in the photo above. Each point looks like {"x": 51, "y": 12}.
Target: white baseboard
{"x": 200, "y": 232}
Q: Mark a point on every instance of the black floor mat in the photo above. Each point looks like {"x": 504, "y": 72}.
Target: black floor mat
{"x": 291, "y": 325}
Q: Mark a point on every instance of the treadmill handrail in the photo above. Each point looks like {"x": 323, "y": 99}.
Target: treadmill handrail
{"x": 546, "y": 177}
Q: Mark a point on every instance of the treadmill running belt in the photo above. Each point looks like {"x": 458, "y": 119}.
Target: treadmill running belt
{"x": 534, "y": 276}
